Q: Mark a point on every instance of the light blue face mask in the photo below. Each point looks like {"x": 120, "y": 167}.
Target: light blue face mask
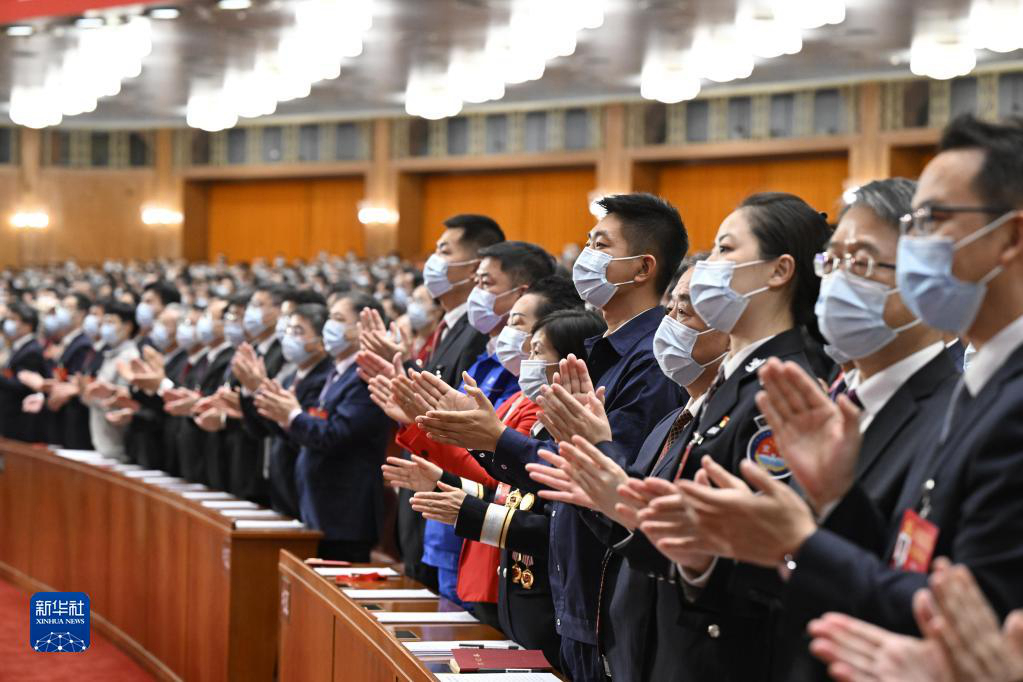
{"x": 205, "y": 330}
{"x": 51, "y": 325}
{"x": 91, "y": 326}
{"x": 850, "y": 314}
{"x": 160, "y": 337}
{"x": 145, "y": 315}
{"x": 10, "y": 328}
{"x": 589, "y": 274}
{"x": 481, "y": 309}
{"x": 253, "y": 321}
{"x": 533, "y": 377}
{"x": 110, "y": 335}
{"x": 715, "y": 301}
{"x": 235, "y": 333}
{"x": 335, "y": 338}
{"x": 418, "y": 315}
{"x": 509, "y": 349}
{"x": 923, "y": 272}
{"x": 294, "y": 350}
{"x": 186, "y": 336}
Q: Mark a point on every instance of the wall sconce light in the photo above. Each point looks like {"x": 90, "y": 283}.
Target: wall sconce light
{"x": 157, "y": 215}
{"x": 30, "y": 220}
{"x": 376, "y": 215}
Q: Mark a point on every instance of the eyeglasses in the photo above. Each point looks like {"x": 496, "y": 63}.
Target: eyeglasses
{"x": 924, "y": 220}
{"x": 861, "y": 265}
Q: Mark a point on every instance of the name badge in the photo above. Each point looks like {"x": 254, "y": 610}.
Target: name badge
{"x": 914, "y": 546}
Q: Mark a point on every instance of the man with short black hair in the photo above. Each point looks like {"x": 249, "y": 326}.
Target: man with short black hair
{"x": 629, "y": 260}
{"x": 26, "y": 355}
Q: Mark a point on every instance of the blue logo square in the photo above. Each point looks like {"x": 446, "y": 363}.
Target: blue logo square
{"x": 59, "y": 622}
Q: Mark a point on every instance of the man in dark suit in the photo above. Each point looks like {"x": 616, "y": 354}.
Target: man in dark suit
{"x": 960, "y": 497}
{"x": 248, "y": 453}
{"x": 342, "y": 439}
{"x": 26, "y": 355}
{"x": 449, "y": 276}
{"x": 66, "y": 419}
{"x": 203, "y": 380}
{"x": 312, "y": 366}
{"x": 145, "y": 439}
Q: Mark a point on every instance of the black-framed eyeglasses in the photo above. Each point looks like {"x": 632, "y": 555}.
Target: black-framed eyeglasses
{"x": 924, "y": 220}
{"x": 861, "y": 264}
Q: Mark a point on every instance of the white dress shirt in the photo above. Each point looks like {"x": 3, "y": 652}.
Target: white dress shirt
{"x": 993, "y": 355}
{"x": 875, "y": 392}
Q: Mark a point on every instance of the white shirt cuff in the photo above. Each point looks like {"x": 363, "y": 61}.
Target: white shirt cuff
{"x": 701, "y": 580}
{"x": 294, "y": 413}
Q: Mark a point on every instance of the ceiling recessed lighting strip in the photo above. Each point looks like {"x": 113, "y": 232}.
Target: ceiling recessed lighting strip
{"x": 325, "y": 34}
{"x": 92, "y": 68}
{"x": 724, "y": 53}
{"x": 537, "y": 32}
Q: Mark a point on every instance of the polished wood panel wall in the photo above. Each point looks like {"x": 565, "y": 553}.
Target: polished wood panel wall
{"x": 909, "y": 161}
{"x": 548, "y": 207}
{"x": 94, "y": 215}
{"x": 169, "y": 581}
{"x": 707, "y": 191}
{"x": 294, "y": 218}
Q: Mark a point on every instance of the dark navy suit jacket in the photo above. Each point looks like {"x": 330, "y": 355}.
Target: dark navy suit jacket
{"x": 283, "y": 451}
{"x": 976, "y": 505}
{"x": 13, "y": 423}
{"x": 340, "y": 485}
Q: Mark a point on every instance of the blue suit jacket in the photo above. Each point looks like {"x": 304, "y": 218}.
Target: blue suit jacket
{"x": 340, "y": 485}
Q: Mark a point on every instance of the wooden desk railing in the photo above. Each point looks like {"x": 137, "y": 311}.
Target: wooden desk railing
{"x": 327, "y": 637}
{"x": 170, "y": 581}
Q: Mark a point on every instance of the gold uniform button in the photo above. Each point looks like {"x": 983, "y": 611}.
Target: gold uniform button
{"x": 713, "y": 631}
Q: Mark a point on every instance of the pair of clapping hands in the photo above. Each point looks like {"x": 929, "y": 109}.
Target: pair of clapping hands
{"x": 962, "y": 639}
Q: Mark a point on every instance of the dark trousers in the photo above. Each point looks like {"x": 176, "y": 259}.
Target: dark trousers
{"x": 581, "y": 661}
{"x": 343, "y": 550}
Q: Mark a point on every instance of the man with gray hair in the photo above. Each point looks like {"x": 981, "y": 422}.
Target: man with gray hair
{"x": 903, "y": 374}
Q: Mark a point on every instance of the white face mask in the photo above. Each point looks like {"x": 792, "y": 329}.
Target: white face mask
{"x": 590, "y": 277}
{"x": 716, "y": 302}
{"x": 533, "y": 377}
{"x": 435, "y": 275}
{"x": 673, "y": 349}
{"x": 509, "y": 349}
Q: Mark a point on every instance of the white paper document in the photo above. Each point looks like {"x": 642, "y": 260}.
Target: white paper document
{"x": 269, "y": 524}
{"x": 250, "y": 513}
{"x": 206, "y": 495}
{"x": 443, "y": 648}
{"x": 424, "y": 617}
{"x": 498, "y": 677}
{"x": 389, "y": 594}
{"x": 331, "y": 571}
{"x": 144, "y": 473}
{"x": 229, "y": 504}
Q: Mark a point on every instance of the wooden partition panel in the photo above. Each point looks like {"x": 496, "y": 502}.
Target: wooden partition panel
{"x": 170, "y": 581}
{"x": 293, "y": 218}
{"x": 548, "y": 207}
{"x": 908, "y": 162}
{"x": 707, "y": 191}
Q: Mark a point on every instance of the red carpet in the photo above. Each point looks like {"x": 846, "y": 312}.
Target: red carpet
{"x": 103, "y": 661}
